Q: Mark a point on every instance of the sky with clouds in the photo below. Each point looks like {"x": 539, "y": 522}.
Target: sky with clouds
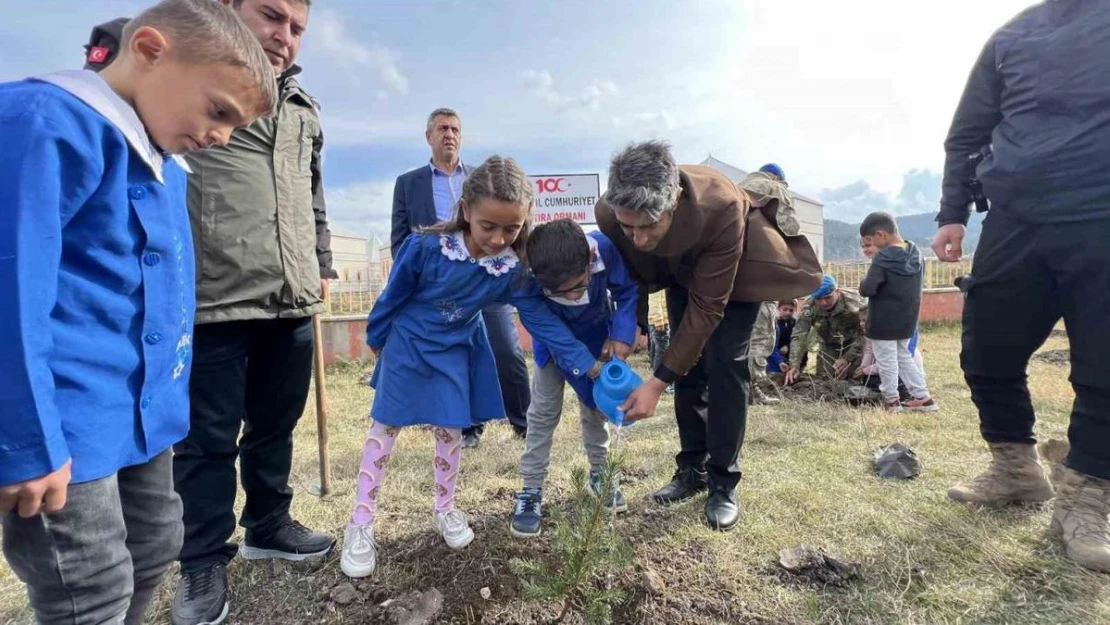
{"x": 852, "y": 98}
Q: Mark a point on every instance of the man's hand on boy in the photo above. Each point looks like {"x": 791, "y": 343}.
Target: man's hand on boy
{"x": 642, "y": 402}
{"x": 615, "y": 348}
{"x": 40, "y": 495}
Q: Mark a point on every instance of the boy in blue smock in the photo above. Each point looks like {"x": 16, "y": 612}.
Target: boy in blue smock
{"x": 97, "y": 276}
{"x": 587, "y": 286}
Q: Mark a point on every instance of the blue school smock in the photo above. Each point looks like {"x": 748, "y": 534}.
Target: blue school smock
{"x": 97, "y": 280}
{"x": 610, "y": 313}
{"x": 436, "y": 365}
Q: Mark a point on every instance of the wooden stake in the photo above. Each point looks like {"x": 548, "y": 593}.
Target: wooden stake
{"x": 321, "y": 407}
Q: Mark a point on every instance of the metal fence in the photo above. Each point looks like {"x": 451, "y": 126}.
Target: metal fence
{"x": 352, "y": 297}
{"x": 938, "y": 275}
{"x": 356, "y": 297}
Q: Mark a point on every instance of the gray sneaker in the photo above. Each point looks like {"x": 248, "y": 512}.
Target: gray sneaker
{"x": 201, "y": 597}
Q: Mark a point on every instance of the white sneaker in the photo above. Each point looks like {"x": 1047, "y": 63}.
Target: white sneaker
{"x": 360, "y": 552}
{"x": 452, "y": 525}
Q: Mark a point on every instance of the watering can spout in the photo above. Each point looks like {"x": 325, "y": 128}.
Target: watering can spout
{"x": 612, "y": 387}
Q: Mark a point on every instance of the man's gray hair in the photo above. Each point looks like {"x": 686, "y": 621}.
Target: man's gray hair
{"x": 644, "y": 178}
{"x": 203, "y": 32}
{"x": 445, "y": 112}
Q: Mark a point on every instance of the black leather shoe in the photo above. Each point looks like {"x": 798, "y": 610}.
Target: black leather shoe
{"x": 685, "y": 484}
{"x": 201, "y": 597}
{"x": 722, "y": 509}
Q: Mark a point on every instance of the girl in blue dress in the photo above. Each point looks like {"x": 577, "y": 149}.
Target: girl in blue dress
{"x": 435, "y": 366}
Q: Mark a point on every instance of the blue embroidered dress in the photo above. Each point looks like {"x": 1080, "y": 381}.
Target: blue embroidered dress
{"x": 436, "y": 366}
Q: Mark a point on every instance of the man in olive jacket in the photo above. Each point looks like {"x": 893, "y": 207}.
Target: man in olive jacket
{"x": 263, "y": 257}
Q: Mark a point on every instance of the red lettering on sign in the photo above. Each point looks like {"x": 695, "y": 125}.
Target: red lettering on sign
{"x": 551, "y": 185}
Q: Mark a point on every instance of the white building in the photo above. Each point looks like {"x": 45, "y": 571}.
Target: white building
{"x": 349, "y": 257}
{"x": 810, "y": 212}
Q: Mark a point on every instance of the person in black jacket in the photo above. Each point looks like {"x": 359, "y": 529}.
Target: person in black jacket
{"x": 1038, "y": 96}
{"x": 893, "y": 285}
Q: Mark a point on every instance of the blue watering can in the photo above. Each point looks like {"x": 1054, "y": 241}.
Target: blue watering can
{"x": 612, "y": 387}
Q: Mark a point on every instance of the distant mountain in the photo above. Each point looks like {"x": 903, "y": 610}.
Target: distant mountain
{"x": 842, "y": 239}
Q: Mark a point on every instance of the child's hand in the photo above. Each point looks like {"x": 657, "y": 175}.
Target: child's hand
{"x": 42, "y": 494}
{"x": 594, "y": 371}
{"x": 615, "y": 348}
{"x": 840, "y": 368}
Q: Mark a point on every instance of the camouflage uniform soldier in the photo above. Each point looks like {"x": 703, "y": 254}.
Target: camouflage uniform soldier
{"x": 760, "y": 347}
{"x": 834, "y": 317}
{"x": 769, "y": 185}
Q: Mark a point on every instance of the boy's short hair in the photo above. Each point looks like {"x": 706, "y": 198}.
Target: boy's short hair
{"x": 557, "y": 252}
{"x": 205, "y": 32}
{"x": 878, "y": 222}
{"x": 787, "y": 302}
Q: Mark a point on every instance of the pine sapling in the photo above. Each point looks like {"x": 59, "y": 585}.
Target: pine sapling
{"x": 588, "y": 552}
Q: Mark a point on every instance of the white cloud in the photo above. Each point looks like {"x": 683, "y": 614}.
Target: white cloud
{"x": 661, "y": 119}
{"x": 542, "y": 85}
{"x": 333, "y": 38}
{"x": 364, "y": 208}
{"x": 920, "y": 193}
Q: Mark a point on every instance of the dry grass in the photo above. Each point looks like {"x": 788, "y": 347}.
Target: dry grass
{"x": 807, "y": 480}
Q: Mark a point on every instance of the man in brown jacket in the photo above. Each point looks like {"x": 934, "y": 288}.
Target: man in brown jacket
{"x": 688, "y": 229}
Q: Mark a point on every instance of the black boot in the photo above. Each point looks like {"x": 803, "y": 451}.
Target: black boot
{"x": 686, "y": 483}
{"x": 722, "y": 508}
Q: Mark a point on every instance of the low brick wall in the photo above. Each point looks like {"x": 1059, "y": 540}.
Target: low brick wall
{"x": 942, "y": 305}
{"x": 345, "y": 336}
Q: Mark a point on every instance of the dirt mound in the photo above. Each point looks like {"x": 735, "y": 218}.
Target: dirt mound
{"x": 1054, "y": 356}
{"x": 810, "y": 566}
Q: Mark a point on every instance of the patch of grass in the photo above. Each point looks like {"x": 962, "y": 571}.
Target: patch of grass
{"x": 807, "y": 480}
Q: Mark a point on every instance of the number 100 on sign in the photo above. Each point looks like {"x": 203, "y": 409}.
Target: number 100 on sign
{"x": 570, "y": 196}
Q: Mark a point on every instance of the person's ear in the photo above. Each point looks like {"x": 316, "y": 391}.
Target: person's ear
{"x": 148, "y": 46}
{"x": 465, "y": 210}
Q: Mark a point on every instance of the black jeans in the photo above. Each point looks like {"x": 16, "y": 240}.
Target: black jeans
{"x": 711, "y": 401}
{"x": 512, "y": 371}
{"x": 253, "y": 374}
{"x": 1025, "y": 278}
{"x": 101, "y": 557}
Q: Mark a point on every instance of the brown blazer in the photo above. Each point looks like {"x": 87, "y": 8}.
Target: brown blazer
{"x": 718, "y": 249}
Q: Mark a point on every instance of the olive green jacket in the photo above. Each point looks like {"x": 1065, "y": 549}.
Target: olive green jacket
{"x": 259, "y": 220}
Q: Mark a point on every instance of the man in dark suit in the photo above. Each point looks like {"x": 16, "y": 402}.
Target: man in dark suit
{"x": 429, "y": 194}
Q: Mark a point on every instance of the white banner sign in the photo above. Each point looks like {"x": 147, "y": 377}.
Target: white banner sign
{"x": 571, "y": 196}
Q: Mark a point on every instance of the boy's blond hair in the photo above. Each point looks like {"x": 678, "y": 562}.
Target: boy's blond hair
{"x": 205, "y": 32}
